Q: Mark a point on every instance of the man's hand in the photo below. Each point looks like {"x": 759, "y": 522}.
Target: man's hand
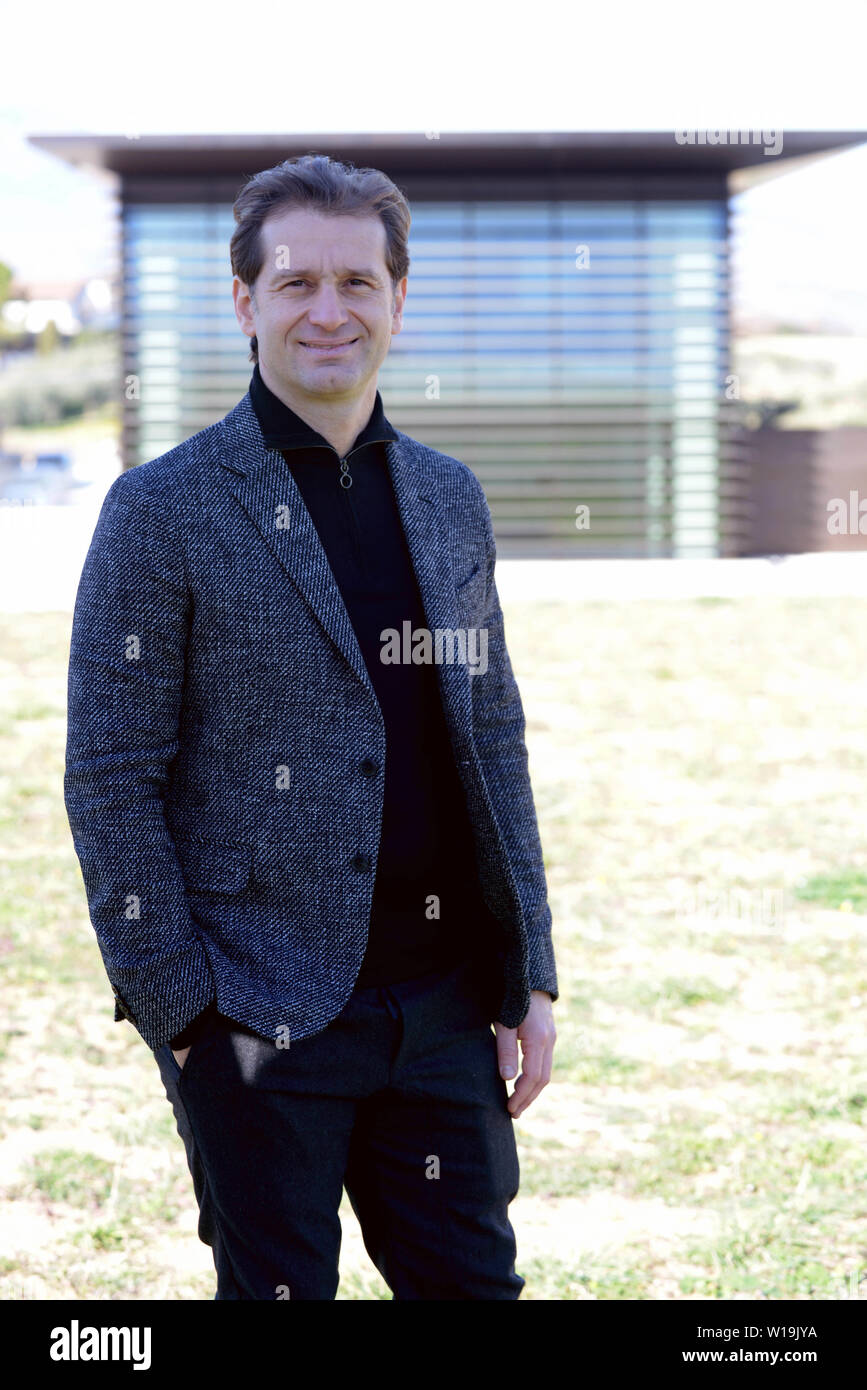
{"x": 537, "y": 1034}
{"x": 181, "y": 1056}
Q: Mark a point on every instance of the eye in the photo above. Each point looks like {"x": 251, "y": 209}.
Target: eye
{"x": 354, "y": 280}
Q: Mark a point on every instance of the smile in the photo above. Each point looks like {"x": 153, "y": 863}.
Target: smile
{"x": 330, "y": 349}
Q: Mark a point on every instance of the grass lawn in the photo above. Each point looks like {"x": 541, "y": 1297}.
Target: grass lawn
{"x": 698, "y": 769}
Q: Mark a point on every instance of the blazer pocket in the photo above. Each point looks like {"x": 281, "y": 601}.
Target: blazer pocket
{"x": 212, "y": 866}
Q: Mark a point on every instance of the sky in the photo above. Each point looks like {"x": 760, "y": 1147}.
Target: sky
{"x": 182, "y": 69}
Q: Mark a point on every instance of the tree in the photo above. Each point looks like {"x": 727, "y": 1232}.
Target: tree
{"x": 5, "y": 282}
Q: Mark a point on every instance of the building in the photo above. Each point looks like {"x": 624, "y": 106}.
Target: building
{"x": 69, "y": 304}
{"x": 567, "y": 323}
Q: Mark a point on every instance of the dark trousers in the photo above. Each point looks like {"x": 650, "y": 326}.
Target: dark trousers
{"x": 399, "y": 1100}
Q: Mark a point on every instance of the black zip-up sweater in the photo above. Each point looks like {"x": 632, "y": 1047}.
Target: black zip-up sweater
{"x": 426, "y": 847}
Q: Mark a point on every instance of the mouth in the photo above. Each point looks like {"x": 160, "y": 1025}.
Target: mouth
{"x": 328, "y": 349}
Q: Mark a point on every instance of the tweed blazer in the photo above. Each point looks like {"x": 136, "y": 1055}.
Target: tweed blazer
{"x": 225, "y": 748}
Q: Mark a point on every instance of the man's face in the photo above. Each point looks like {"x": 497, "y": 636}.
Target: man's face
{"x": 323, "y": 281}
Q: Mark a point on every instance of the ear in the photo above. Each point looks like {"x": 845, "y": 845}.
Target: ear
{"x": 398, "y": 299}
{"x": 244, "y": 297}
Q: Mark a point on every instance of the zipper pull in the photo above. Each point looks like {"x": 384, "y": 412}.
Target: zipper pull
{"x": 345, "y": 479}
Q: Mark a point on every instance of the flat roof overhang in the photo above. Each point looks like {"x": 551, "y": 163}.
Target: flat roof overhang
{"x": 518, "y": 154}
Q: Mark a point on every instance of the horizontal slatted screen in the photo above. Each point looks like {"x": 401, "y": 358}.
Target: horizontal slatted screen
{"x": 182, "y": 343}
{"x": 572, "y": 353}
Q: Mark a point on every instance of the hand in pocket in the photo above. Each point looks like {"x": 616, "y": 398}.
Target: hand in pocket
{"x": 181, "y": 1056}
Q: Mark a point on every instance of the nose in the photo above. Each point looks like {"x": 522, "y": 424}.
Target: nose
{"x": 326, "y": 311}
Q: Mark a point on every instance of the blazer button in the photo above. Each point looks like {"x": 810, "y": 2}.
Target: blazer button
{"x": 361, "y": 862}
{"x": 369, "y": 767}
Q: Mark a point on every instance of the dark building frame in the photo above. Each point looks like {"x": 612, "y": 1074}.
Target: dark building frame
{"x": 626, "y": 454}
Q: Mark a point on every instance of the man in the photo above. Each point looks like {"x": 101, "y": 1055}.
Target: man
{"x": 297, "y": 785}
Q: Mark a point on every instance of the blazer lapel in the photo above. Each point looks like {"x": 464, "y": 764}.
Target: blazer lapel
{"x": 267, "y": 491}
{"x": 413, "y": 477}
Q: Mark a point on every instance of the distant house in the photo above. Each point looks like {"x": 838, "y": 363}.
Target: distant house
{"x": 567, "y": 322}
{"x": 69, "y": 305}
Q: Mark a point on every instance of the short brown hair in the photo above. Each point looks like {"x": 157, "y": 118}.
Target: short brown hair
{"x": 328, "y": 185}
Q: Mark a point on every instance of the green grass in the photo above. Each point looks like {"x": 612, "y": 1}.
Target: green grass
{"x": 79, "y": 1179}
{"x": 557, "y": 1281}
{"x": 703, "y": 1134}
{"x": 845, "y": 890}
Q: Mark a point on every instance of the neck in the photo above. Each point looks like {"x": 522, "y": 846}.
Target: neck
{"x": 340, "y": 422}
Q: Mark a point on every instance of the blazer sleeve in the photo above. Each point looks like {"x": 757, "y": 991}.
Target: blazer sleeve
{"x": 499, "y": 726}
{"x": 126, "y": 672}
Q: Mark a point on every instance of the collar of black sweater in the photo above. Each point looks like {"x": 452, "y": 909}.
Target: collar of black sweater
{"x": 283, "y": 429}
